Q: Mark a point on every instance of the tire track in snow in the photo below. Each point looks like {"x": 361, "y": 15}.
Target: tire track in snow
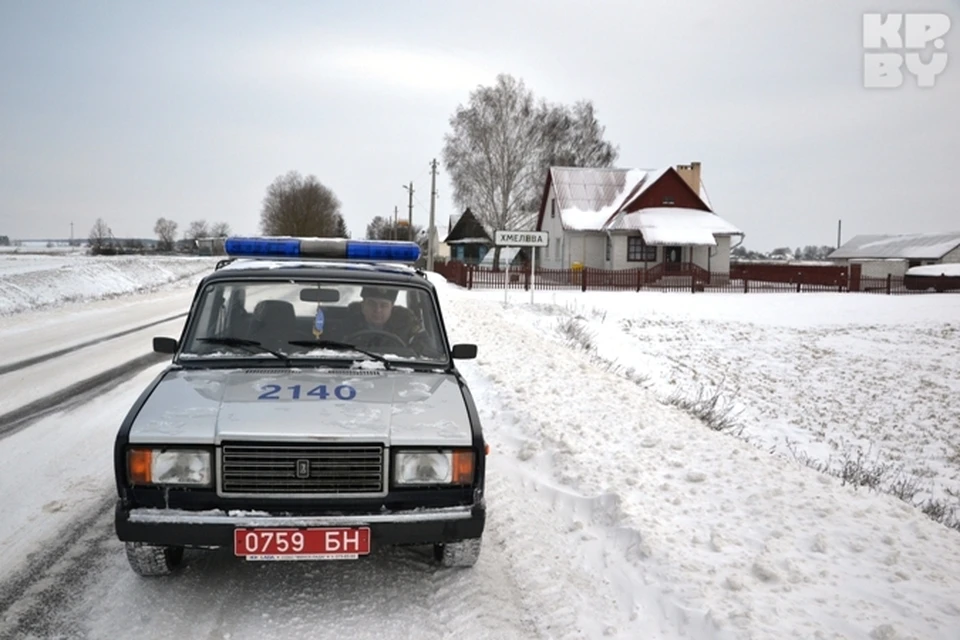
{"x": 29, "y": 362}
{"x": 74, "y": 395}
{"x": 577, "y": 567}
{"x": 394, "y": 593}
{"x": 31, "y": 600}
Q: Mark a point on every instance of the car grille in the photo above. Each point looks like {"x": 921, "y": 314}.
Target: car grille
{"x": 294, "y": 469}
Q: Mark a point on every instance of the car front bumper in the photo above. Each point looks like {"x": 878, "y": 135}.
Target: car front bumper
{"x": 215, "y": 528}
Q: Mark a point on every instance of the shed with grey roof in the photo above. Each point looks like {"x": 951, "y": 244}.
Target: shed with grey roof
{"x": 932, "y": 248}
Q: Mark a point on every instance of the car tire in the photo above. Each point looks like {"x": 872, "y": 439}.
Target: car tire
{"x": 150, "y": 560}
{"x": 464, "y": 553}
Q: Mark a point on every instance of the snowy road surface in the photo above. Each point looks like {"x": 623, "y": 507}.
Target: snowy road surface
{"x": 611, "y": 514}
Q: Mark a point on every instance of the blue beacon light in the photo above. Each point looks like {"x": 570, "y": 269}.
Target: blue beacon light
{"x": 323, "y": 248}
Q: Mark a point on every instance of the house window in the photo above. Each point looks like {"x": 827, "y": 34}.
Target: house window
{"x": 556, "y": 248}
{"x": 640, "y": 251}
{"x": 668, "y": 200}
{"x": 553, "y": 208}
{"x": 609, "y": 248}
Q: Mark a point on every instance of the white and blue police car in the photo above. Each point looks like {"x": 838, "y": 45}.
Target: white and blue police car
{"x": 311, "y": 410}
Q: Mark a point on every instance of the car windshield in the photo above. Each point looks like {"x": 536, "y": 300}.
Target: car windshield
{"x": 297, "y": 319}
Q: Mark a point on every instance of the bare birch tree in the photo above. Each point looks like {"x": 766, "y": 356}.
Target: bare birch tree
{"x": 503, "y": 142}
{"x": 492, "y": 154}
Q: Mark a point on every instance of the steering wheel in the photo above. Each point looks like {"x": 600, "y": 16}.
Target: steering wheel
{"x": 376, "y": 333}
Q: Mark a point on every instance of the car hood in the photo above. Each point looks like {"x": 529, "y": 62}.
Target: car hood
{"x": 319, "y": 405}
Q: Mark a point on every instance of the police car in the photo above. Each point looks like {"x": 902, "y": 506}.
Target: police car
{"x": 311, "y": 410}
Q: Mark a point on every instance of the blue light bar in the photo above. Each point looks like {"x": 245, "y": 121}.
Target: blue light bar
{"x": 383, "y": 251}
{"x": 323, "y": 249}
{"x": 262, "y": 247}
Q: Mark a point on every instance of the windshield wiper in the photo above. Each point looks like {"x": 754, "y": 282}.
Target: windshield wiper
{"x": 341, "y": 346}
{"x": 251, "y": 345}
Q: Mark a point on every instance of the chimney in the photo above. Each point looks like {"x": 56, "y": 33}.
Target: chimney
{"x": 691, "y": 174}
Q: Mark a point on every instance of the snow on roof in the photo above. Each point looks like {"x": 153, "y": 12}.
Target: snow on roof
{"x": 470, "y": 241}
{"x": 674, "y": 225}
{"x": 917, "y": 246}
{"x": 587, "y": 198}
{"x": 952, "y": 270}
{"x": 507, "y": 255}
{"x": 442, "y": 232}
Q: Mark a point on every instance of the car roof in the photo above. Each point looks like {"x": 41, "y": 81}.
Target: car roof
{"x": 360, "y": 272}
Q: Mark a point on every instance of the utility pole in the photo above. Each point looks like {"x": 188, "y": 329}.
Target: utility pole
{"x": 432, "y": 232}
{"x": 395, "y": 220}
{"x": 410, "y": 215}
{"x": 71, "y": 234}
{"x": 839, "y": 228}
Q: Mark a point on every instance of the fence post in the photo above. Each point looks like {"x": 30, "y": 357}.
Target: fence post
{"x": 638, "y": 280}
{"x": 889, "y": 279}
{"x": 583, "y": 279}
{"x": 746, "y": 285}
{"x": 469, "y": 276}
{"x": 693, "y": 283}
{"x": 526, "y": 278}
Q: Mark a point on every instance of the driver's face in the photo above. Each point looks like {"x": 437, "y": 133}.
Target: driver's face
{"x": 376, "y": 311}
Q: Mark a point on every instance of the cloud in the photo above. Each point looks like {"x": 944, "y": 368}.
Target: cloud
{"x": 379, "y": 67}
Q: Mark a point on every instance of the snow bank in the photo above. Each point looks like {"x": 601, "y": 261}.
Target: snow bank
{"x": 855, "y": 384}
{"x": 30, "y": 282}
{"x": 757, "y": 545}
{"x": 952, "y": 270}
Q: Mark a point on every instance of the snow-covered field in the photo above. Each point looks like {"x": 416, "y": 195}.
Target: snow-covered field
{"x": 867, "y": 386}
{"x": 613, "y": 512}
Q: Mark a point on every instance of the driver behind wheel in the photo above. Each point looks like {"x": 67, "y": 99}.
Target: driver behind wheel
{"x": 379, "y": 313}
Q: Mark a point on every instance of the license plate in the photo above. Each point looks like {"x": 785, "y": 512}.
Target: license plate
{"x": 302, "y": 544}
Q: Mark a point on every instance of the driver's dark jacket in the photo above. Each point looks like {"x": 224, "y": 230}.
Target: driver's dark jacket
{"x": 402, "y": 323}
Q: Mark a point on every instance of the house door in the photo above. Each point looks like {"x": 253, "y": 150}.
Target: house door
{"x": 672, "y": 259}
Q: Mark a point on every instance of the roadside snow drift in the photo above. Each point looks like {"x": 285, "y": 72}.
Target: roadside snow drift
{"x": 30, "y": 281}
{"x": 755, "y": 543}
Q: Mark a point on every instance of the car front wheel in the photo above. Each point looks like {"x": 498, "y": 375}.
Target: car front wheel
{"x": 151, "y": 560}
{"x": 464, "y": 553}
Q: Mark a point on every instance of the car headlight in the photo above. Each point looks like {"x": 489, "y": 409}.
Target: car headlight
{"x": 433, "y": 467}
{"x": 169, "y": 467}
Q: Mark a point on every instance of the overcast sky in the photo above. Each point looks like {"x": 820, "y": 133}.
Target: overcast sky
{"x": 188, "y": 109}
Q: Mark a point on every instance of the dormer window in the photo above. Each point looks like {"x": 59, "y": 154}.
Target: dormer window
{"x": 668, "y": 200}
{"x": 553, "y": 208}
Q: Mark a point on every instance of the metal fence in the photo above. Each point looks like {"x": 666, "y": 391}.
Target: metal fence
{"x": 691, "y": 278}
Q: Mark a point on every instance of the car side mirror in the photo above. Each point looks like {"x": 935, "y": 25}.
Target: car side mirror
{"x": 464, "y": 351}
{"x": 164, "y": 345}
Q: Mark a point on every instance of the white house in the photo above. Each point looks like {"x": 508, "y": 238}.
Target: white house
{"x": 633, "y": 218}
{"x": 880, "y": 255}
